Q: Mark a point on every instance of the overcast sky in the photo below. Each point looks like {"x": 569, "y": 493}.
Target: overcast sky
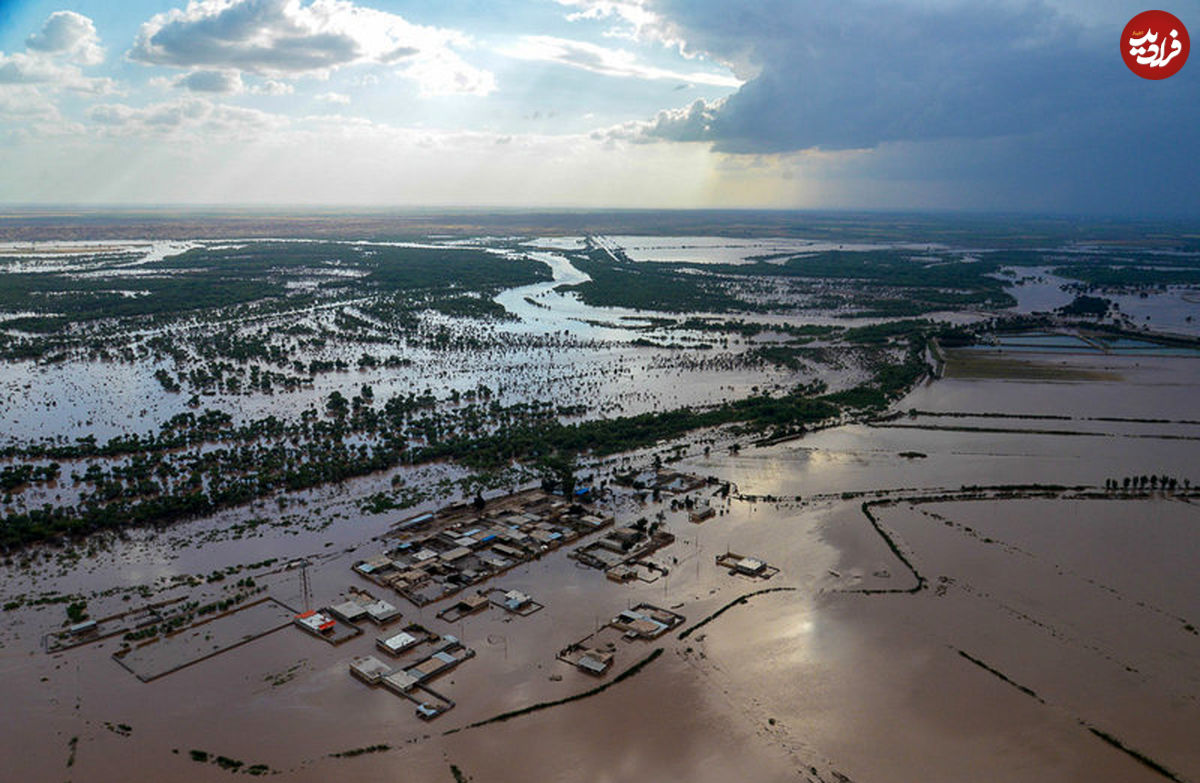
{"x": 910, "y": 104}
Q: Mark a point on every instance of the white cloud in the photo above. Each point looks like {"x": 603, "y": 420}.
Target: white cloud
{"x": 603, "y": 60}
{"x": 188, "y": 115}
{"x": 225, "y": 82}
{"x": 690, "y": 123}
{"x": 338, "y": 160}
{"x": 443, "y": 72}
{"x": 20, "y": 102}
{"x": 37, "y": 69}
{"x": 273, "y": 87}
{"x": 334, "y": 97}
{"x": 632, "y": 13}
{"x": 289, "y": 38}
{"x": 23, "y": 68}
{"x": 222, "y": 82}
{"x": 53, "y": 57}
{"x": 70, "y": 34}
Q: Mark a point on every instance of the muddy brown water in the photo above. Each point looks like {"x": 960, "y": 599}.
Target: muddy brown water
{"x": 1084, "y": 602}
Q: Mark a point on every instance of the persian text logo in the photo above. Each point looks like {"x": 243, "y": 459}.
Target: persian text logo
{"x": 1155, "y": 44}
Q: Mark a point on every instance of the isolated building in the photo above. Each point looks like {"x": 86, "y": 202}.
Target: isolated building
{"x": 751, "y": 566}
{"x": 316, "y": 623}
{"x": 594, "y": 662}
{"x": 515, "y": 600}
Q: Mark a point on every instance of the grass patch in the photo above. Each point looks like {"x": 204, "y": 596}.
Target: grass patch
{"x": 980, "y": 365}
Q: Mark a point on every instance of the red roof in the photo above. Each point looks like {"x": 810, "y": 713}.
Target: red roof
{"x": 325, "y": 626}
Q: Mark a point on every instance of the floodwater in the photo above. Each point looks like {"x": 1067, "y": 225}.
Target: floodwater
{"x": 727, "y": 250}
{"x": 559, "y": 349}
{"x": 1042, "y": 622}
{"x": 1170, "y": 309}
{"x": 1083, "y": 602}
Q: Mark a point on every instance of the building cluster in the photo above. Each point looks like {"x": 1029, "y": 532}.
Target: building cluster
{"x": 663, "y": 480}
{"x": 447, "y": 554}
{"x": 337, "y": 623}
{"x": 512, "y": 601}
{"x": 595, "y": 653}
{"x": 616, "y": 552}
{"x": 413, "y": 681}
{"x": 361, "y": 606}
{"x": 645, "y": 621}
{"x": 440, "y": 554}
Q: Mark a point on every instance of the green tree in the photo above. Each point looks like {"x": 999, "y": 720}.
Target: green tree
{"x": 337, "y": 404}
{"x": 77, "y": 612}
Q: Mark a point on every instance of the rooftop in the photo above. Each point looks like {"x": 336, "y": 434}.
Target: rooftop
{"x": 401, "y": 641}
{"x": 317, "y": 622}
{"x": 369, "y": 668}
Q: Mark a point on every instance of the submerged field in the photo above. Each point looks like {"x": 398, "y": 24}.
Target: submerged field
{"x": 977, "y": 578}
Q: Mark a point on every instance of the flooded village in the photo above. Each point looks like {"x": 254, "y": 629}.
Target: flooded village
{"x": 810, "y": 566}
{"x": 629, "y": 391}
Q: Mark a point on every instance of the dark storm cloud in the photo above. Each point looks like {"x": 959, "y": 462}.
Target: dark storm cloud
{"x": 986, "y": 93}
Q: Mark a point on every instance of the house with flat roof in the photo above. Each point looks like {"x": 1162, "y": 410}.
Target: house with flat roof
{"x": 646, "y": 621}
{"x": 400, "y": 681}
{"x": 476, "y": 602}
{"x": 375, "y": 565}
{"x": 621, "y": 573}
{"x": 751, "y": 566}
{"x": 515, "y": 600}
{"x": 369, "y": 669}
{"x": 743, "y": 565}
{"x": 494, "y": 562}
{"x": 316, "y": 623}
{"x": 350, "y": 611}
{"x": 397, "y": 644}
{"x": 594, "y": 662}
{"x": 636, "y": 625}
{"x": 83, "y": 628}
{"x": 381, "y": 611}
